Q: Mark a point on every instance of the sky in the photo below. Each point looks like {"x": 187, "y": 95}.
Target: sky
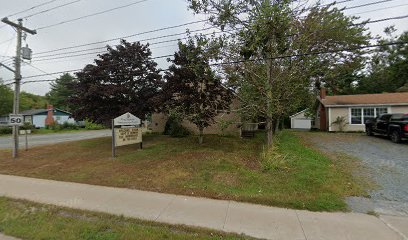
{"x": 138, "y": 18}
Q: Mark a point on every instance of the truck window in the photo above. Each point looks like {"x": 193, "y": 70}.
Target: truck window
{"x": 385, "y": 117}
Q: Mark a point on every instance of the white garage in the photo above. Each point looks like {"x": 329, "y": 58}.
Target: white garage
{"x": 300, "y": 121}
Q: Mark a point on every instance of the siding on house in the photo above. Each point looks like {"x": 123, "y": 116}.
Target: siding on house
{"x": 345, "y": 112}
{"x": 159, "y": 122}
{"x": 300, "y": 121}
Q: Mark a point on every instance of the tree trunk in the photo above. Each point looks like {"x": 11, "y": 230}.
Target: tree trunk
{"x": 282, "y": 125}
{"x": 277, "y": 124}
{"x": 269, "y": 131}
{"x": 269, "y": 118}
{"x": 201, "y": 136}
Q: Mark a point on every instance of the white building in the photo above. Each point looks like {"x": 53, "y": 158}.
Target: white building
{"x": 300, "y": 121}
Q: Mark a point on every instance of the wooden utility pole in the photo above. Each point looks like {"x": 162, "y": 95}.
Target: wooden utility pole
{"x": 17, "y": 76}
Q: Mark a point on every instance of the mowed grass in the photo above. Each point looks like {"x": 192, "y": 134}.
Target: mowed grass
{"x": 28, "y": 220}
{"x": 222, "y": 168}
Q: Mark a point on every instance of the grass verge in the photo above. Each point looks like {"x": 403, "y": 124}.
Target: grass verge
{"x": 292, "y": 175}
{"x": 28, "y": 220}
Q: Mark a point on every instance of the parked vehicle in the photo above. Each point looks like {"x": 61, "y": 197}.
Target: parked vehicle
{"x": 394, "y": 126}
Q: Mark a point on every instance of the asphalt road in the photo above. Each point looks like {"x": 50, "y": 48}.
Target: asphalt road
{"x": 45, "y": 139}
{"x": 387, "y": 165}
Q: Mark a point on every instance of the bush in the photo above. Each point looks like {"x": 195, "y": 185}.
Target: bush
{"x": 90, "y": 125}
{"x": 174, "y": 128}
{"x": 27, "y": 126}
{"x": 54, "y": 126}
{"x": 6, "y": 130}
{"x": 67, "y": 125}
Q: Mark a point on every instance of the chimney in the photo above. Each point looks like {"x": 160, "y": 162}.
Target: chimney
{"x": 50, "y": 116}
{"x": 323, "y": 93}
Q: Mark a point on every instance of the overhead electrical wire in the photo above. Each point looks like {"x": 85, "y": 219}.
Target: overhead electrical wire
{"x": 249, "y": 60}
{"x": 51, "y": 9}
{"x": 165, "y": 28}
{"x": 8, "y": 40}
{"x": 241, "y": 61}
{"x": 368, "y": 4}
{"x": 81, "y": 52}
{"x": 31, "y": 8}
{"x": 380, "y": 9}
{"x": 91, "y": 15}
{"x": 104, "y": 47}
{"x": 123, "y": 37}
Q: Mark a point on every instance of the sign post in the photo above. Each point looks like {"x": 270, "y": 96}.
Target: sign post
{"x": 129, "y": 132}
{"x": 113, "y": 139}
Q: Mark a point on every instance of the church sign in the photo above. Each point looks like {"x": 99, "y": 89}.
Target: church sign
{"x": 126, "y": 130}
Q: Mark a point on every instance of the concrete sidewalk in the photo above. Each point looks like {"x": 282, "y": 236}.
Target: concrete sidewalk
{"x": 253, "y": 220}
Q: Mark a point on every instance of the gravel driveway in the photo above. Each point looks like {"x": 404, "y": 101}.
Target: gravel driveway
{"x": 386, "y": 162}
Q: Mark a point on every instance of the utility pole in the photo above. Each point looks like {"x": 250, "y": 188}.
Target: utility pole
{"x": 17, "y": 76}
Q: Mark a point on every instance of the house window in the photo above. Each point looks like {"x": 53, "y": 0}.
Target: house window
{"x": 362, "y": 115}
{"x": 356, "y": 116}
{"x": 369, "y": 114}
{"x": 381, "y": 111}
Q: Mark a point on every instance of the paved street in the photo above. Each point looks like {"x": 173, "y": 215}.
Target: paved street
{"x": 253, "y": 220}
{"x": 37, "y": 140}
{"x": 4, "y": 237}
{"x": 384, "y": 161}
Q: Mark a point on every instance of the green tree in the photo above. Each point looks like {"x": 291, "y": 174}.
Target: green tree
{"x": 271, "y": 84}
{"x": 32, "y": 101}
{"x": 60, "y": 92}
{"x": 388, "y": 67}
{"x": 6, "y": 99}
{"x": 125, "y": 79}
{"x": 193, "y": 87}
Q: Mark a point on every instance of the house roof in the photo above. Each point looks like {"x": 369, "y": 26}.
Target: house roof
{"x": 298, "y": 113}
{"x": 33, "y": 112}
{"x": 38, "y": 111}
{"x": 366, "y": 99}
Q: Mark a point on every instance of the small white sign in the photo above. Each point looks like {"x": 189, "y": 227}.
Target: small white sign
{"x": 127, "y": 119}
{"x": 16, "y": 120}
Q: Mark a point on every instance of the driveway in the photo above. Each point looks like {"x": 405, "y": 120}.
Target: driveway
{"x": 45, "y": 139}
{"x": 387, "y": 165}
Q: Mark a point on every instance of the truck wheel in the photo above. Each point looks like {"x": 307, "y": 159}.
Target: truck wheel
{"x": 395, "y": 137}
{"x": 369, "y": 131}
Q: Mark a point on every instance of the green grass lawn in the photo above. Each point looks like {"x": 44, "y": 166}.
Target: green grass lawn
{"x": 28, "y": 220}
{"x": 292, "y": 174}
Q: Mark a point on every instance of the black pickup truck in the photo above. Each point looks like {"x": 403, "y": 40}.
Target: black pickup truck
{"x": 391, "y": 125}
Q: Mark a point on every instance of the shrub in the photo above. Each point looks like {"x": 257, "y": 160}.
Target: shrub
{"x": 27, "y": 126}
{"x": 174, "y": 128}
{"x": 6, "y": 130}
{"x": 67, "y": 125}
{"x": 90, "y": 125}
{"x": 341, "y": 122}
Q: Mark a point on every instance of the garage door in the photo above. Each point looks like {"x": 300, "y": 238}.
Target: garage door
{"x": 301, "y": 124}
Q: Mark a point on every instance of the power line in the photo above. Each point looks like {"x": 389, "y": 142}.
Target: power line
{"x": 104, "y": 47}
{"x": 379, "y": 9}
{"x": 31, "y": 8}
{"x": 50, "y": 9}
{"x": 8, "y": 40}
{"x": 176, "y": 26}
{"x": 123, "y": 37}
{"x": 91, "y": 15}
{"x": 41, "y": 58}
{"x": 368, "y": 4}
{"x": 241, "y": 61}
